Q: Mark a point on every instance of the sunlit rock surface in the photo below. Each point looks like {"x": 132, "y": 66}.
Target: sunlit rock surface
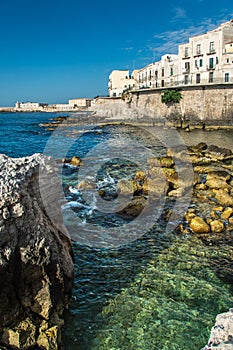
{"x": 36, "y": 265}
{"x": 221, "y": 337}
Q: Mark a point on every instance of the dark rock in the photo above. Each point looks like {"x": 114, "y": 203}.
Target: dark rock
{"x": 218, "y": 153}
{"x": 36, "y": 266}
{"x": 198, "y": 148}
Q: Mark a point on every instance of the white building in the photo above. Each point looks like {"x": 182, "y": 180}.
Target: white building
{"x": 30, "y": 105}
{"x": 205, "y": 59}
{"x": 159, "y": 74}
{"x": 208, "y": 58}
{"x": 60, "y": 107}
{"x": 80, "y": 102}
{"x": 120, "y": 81}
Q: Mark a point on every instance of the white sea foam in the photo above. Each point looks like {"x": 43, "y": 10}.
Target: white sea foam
{"x": 74, "y": 204}
{"x": 74, "y": 190}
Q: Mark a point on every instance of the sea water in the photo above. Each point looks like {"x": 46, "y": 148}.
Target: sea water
{"x": 157, "y": 291}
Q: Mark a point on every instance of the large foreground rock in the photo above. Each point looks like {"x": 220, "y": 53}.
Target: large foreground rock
{"x": 36, "y": 265}
{"x": 221, "y": 337}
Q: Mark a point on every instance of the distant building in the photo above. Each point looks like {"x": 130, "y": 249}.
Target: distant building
{"x": 80, "y": 102}
{"x": 120, "y": 81}
{"x": 30, "y": 105}
{"x": 205, "y": 59}
{"x": 60, "y": 106}
{"x": 159, "y": 74}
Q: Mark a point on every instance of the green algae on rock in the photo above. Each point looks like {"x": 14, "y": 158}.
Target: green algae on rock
{"x": 172, "y": 303}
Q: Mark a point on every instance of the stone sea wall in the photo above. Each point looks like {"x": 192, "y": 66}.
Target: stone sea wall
{"x": 199, "y": 104}
{"x": 210, "y": 104}
{"x": 36, "y": 264}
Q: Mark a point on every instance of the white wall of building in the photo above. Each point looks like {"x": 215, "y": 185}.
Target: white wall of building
{"x": 205, "y": 59}
{"x": 80, "y": 102}
{"x": 120, "y": 81}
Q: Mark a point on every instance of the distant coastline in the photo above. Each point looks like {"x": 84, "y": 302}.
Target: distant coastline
{"x": 47, "y": 110}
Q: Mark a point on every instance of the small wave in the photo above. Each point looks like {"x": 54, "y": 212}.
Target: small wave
{"x": 74, "y": 190}
{"x": 108, "y": 180}
{"x": 71, "y": 166}
{"x": 74, "y": 204}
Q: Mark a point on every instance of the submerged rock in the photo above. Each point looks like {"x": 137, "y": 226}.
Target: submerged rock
{"x": 76, "y": 161}
{"x": 198, "y": 225}
{"x": 36, "y": 265}
{"x": 217, "y": 226}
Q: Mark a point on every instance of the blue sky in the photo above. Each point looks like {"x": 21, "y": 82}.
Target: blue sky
{"x": 55, "y": 50}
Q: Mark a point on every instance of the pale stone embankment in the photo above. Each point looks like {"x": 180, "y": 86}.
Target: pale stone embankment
{"x": 204, "y": 106}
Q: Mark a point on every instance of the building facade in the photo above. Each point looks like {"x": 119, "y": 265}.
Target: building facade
{"x": 80, "y": 102}
{"x": 159, "y": 74}
{"x": 120, "y": 81}
{"x": 30, "y": 105}
{"x": 205, "y": 59}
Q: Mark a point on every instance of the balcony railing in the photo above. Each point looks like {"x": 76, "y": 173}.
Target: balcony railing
{"x": 211, "y": 67}
{"x": 184, "y": 83}
{"x": 211, "y": 52}
{"x": 186, "y": 70}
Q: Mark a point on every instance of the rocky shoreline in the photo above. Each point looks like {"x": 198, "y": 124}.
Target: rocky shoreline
{"x": 100, "y": 119}
{"x": 209, "y": 216}
{"x": 36, "y": 264}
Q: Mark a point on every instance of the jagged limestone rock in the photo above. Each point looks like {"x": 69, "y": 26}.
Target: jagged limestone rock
{"x": 221, "y": 337}
{"x": 36, "y": 265}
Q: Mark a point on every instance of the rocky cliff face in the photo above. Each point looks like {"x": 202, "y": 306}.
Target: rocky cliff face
{"x": 36, "y": 266}
{"x": 221, "y": 337}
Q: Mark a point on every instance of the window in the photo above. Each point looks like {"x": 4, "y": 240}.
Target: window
{"x": 162, "y": 83}
{"x": 212, "y": 46}
{"x": 216, "y": 60}
{"x": 186, "y": 52}
{"x": 211, "y": 77}
{"x": 186, "y": 79}
{"x": 187, "y": 66}
{"x": 162, "y": 72}
{"x": 198, "y": 49}
{"x": 201, "y": 62}
{"x": 211, "y": 63}
{"x": 227, "y": 77}
{"x": 198, "y": 78}
{"x": 227, "y": 60}
{"x": 171, "y": 71}
{"x": 156, "y": 74}
{"x": 196, "y": 63}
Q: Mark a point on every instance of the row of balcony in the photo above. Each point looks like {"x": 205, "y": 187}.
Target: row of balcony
{"x": 199, "y": 53}
{"x": 185, "y": 82}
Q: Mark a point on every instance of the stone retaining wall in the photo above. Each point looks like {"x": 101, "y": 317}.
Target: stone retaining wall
{"x": 199, "y": 104}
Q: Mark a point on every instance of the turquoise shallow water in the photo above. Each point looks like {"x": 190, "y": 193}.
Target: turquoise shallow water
{"x": 159, "y": 291}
